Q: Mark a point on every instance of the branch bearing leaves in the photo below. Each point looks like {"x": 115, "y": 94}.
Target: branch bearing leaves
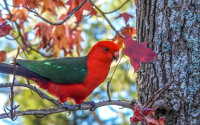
{"x": 137, "y": 52}
{"x": 126, "y": 16}
{"x": 60, "y": 39}
{"x": 74, "y": 3}
{"x": 5, "y": 29}
{"x": 31, "y": 3}
{"x": 2, "y": 56}
{"x": 145, "y": 116}
{"x": 125, "y": 30}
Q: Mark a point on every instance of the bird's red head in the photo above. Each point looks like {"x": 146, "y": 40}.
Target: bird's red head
{"x": 106, "y": 51}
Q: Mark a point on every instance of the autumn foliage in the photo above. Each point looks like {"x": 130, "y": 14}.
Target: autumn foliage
{"x": 59, "y": 37}
{"x": 138, "y": 52}
{"x": 125, "y": 30}
{"x": 5, "y": 29}
{"x": 67, "y": 36}
{"x": 145, "y": 116}
{"x": 52, "y": 38}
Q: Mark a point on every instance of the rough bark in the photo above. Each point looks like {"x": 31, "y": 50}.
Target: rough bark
{"x": 172, "y": 28}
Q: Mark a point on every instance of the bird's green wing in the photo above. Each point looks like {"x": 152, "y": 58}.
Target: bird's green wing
{"x": 63, "y": 70}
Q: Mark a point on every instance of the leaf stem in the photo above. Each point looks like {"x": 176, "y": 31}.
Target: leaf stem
{"x": 108, "y": 84}
{"x": 19, "y": 45}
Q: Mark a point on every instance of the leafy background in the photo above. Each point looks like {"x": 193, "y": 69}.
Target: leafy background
{"x": 95, "y": 28}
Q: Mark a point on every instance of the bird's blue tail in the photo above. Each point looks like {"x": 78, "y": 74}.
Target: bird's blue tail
{"x": 21, "y": 71}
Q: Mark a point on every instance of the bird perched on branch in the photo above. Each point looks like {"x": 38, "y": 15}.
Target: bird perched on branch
{"x": 69, "y": 78}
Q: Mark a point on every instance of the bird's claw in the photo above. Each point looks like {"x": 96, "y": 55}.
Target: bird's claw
{"x": 69, "y": 107}
{"x": 92, "y": 103}
{"x": 66, "y": 105}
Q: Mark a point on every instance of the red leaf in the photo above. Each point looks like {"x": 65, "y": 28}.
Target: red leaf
{"x": 31, "y": 3}
{"x": 74, "y": 3}
{"x": 5, "y": 29}
{"x": 20, "y": 14}
{"x": 62, "y": 39}
{"x": 50, "y": 5}
{"x": 143, "y": 116}
{"x": 137, "y": 52}
{"x": 162, "y": 120}
{"x": 153, "y": 121}
{"x": 126, "y": 16}
{"x": 44, "y": 31}
{"x": 2, "y": 56}
{"x": 93, "y": 13}
{"x": 137, "y": 115}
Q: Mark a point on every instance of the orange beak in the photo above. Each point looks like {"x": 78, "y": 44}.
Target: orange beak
{"x": 116, "y": 55}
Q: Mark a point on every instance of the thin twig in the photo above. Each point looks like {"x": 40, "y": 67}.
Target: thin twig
{"x": 2, "y": 6}
{"x": 25, "y": 3}
{"x": 11, "y": 88}
{"x": 44, "y": 96}
{"x": 117, "y": 8}
{"x": 157, "y": 94}
{"x": 7, "y": 9}
{"x": 108, "y": 84}
{"x": 19, "y": 45}
{"x": 102, "y": 13}
{"x": 6, "y": 113}
{"x": 61, "y": 22}
{"x": 75, "y": 27}
{"x": 44, "y": 55}
{"x": 29, "y": 84}
{"x": 11, "y": 38}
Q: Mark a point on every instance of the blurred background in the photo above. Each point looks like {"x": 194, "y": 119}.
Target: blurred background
{"x": 94, "y": 29}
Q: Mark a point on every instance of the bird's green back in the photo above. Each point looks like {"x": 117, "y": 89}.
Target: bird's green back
{"x": 64, "y": 70}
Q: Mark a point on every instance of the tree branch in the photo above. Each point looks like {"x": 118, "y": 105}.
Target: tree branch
{"x": 59, "y": 109}
{"x": 11, "y": 96}
{"x": 102, "y": 13}
{"x": 61, "y": 22}
{"x": 157, "y": 94}
{"x": 117, "y": 8}
{"x": 19, "y": 45}
{"x": 40, "y": 93}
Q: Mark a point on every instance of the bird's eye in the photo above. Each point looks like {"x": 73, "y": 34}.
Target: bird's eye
{"x": 106, "y": 49}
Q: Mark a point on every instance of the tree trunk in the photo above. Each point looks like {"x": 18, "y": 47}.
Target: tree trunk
{"x": 172, "y": 28}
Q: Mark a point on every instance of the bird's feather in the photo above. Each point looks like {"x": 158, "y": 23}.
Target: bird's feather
{"x": 63, "y": 70}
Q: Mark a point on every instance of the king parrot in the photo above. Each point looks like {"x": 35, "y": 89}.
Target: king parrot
{"x": 72, "y": 77}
